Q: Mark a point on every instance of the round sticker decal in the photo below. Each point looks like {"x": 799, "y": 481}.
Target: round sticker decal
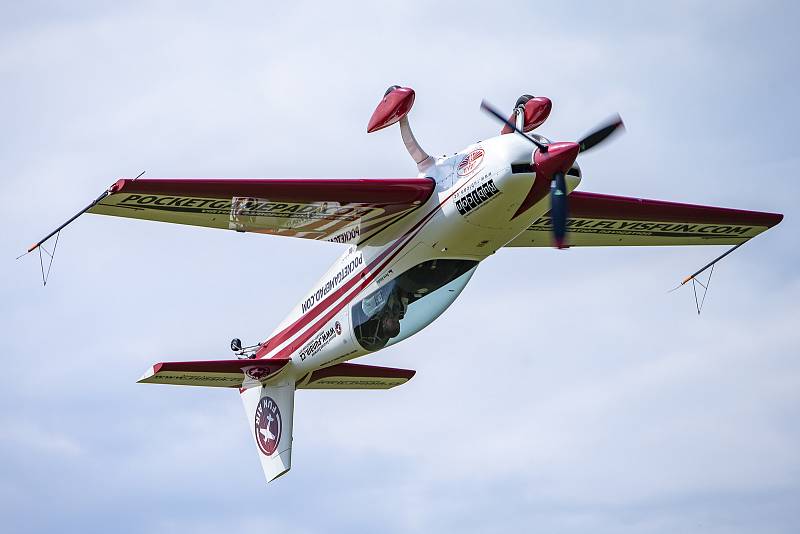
{"x": 257, "y": 373}
{"x": 338, "y": 328}
{"x": 471, "y": 162}
{"x": 268, "y": 425}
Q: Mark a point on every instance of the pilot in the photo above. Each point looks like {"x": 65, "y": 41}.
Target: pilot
{"x": 392, "y": 314}
{"x": 386, "y": 308}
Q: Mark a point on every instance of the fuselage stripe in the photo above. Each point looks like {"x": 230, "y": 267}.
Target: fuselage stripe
{"x": 308, "y": 334}
{"x": 312, "y": 314}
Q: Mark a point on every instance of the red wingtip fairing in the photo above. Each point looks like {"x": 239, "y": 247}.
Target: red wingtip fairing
{"x": 537, "y": 109}
{"x": 117, "y": 186}
{"x": 395, "y": 105}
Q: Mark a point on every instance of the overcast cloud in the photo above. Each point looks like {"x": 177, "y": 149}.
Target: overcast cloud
{"x": 563, "y": 392}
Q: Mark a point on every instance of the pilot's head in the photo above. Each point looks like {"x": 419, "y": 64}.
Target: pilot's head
{"x": 390, "y": 326}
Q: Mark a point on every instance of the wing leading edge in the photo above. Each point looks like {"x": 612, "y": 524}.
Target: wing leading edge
{"x": 346, "y": 210}
{"x": 607, "y": 220}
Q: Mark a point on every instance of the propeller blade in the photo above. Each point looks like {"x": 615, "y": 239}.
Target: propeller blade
{"x": 558, "y": 209}
{"x": 492, "y": 111}
{"x": 601, "y": 133}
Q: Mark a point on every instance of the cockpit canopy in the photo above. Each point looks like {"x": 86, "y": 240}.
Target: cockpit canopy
{"x": 405, "y": 305}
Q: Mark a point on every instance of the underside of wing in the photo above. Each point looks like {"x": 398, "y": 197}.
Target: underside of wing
{"x": 606, "y": 220}
{"x": 213, "y": 373}
{"x": 340, "y": 210}
{"x": 355, "y": 376}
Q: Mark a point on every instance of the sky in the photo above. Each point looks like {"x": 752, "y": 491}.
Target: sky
{"x": 564, "y": 391}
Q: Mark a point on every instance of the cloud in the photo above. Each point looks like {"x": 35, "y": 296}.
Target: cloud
{"x": 562, "y": 392}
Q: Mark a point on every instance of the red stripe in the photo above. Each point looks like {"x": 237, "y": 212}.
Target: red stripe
{"x": 404, "y": 191}
{"x": 319, "y": 324}
{"x": 287, "y": 351}
{"x": 292, "y": 329}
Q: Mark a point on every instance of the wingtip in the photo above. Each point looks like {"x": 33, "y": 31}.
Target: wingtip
{"x": 151, "y": 371}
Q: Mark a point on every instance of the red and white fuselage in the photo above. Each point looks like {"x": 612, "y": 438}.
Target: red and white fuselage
{"x": 413, "y": 245}
{"x": 469, "y": 217}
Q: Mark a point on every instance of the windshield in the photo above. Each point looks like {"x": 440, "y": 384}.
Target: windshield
{"x": 407, "y": 304}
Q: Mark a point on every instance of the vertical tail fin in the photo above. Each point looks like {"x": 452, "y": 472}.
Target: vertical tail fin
{"x": 270, "y": 410}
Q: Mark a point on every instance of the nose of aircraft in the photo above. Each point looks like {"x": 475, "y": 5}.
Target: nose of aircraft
{"x": 558, "y": 158}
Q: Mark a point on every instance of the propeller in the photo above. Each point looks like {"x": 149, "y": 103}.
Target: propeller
{"x": 492, "y": 111}
{"x": 552, "y": 161}
{"x": 559, "y": 210}
{"x": 602, "y": 132}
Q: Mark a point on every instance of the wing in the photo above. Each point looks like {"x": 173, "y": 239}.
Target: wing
{"x": 355, "y": 376}
{"x": 605, "y": 220}
{"x": 339, "y": 210}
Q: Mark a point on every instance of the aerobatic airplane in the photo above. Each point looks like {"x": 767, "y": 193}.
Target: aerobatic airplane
{"x": 411, "y": 246}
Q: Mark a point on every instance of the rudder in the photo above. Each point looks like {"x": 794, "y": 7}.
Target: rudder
{"x": 270, "y": 411}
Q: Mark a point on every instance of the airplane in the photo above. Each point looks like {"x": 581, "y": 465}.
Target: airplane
{"x": 411, "y": 245}
{"x": 266, "y": 434}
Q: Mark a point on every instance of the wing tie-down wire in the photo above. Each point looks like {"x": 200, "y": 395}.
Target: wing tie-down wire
{"x": 57, "y": 233}
{"x": 695, "y": 281}
{"x": 693, "y": 278}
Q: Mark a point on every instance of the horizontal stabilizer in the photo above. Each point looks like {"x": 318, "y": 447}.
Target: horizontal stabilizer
{"x": 214, "y": 373}
{"x": 355, "y": 376}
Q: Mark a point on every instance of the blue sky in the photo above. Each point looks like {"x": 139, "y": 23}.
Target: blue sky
{"x": 563, "y": 391}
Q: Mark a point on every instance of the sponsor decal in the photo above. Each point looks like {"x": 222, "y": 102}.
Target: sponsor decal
{"x": 359, "y": 382}
{"x": 244, "y": 207}
{"x": 384, "y": 276}
{"x": 471, "y": 162}
{"x": 475, "y": 196}
{"x": 346, "y": 236}
{"x": 642, "y": 228}
{"x": 331, "y": 284}
{"x": 268, "y": 424}
{"x": 320, "y": 341}
{"x": 195, "y": 377}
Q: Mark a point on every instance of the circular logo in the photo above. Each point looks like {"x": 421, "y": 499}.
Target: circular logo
{"x": 338, "y": 327}
{"x": 257, "y": 373}
{"x": 471, "y": 162}
{"x": 268, "y": 425}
